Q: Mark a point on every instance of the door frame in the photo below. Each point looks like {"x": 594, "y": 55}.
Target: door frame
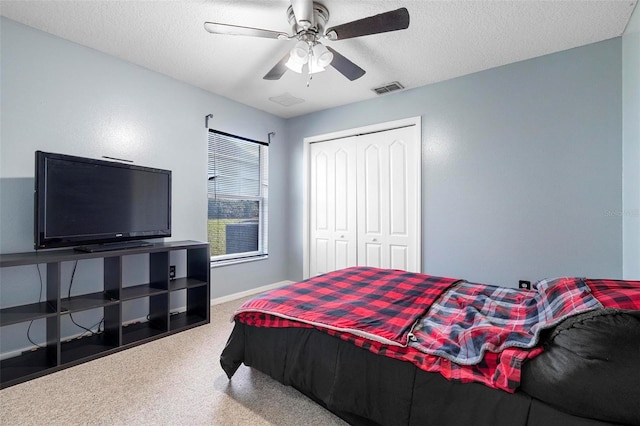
{"x": 416, "y": 122}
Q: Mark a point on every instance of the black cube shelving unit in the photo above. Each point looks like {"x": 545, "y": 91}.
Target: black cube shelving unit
{"x": 61, "y": 352}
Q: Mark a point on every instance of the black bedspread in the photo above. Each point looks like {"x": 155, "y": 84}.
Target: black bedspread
{"x": 368, "y": 389}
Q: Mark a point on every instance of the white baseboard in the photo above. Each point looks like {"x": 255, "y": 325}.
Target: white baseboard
{"x": 234, "y": 296}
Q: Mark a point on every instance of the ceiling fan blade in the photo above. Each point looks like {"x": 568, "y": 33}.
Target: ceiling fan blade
{"x": 303, "y": 11}
{"x": 216, "y": 28}
{"x": 345, "y": 66}
{"x": 384, "y": 22}
{"x": 278, "y": 69}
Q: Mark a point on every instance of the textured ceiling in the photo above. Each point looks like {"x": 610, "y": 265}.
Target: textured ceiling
{"x": 445, "y": 39}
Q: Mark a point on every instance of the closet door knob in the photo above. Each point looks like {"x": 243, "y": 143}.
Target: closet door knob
{"x": 341, "y": 236}
{"x": 375, "y": 239}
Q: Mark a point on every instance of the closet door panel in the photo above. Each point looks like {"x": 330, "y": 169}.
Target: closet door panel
{"x": 319, "y": 213}
{"x": 398, "y": 257}
{"x": 388, "y": 199}
{"x": 372, "y": 255}
{"x": 342, "y": 258}
{"x": 341, "y": 176}
{"x": 370, "y": 185}
{"x": 398, "y": 188}
{"x": 322, "y": 255}
{"x": 404, "y": 201}
{"x": 332, "y": 206}
{"x": 344, "y": 202}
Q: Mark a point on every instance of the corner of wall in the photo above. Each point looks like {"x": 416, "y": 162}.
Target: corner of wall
{"x": 631, "y": 148}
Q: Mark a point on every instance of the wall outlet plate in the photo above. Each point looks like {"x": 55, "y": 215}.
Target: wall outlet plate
{"x": 172, "y": 272}
{"x": 524, "y": 284}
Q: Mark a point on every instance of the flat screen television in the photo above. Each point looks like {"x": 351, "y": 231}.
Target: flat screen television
{"x": 95, "y": 203}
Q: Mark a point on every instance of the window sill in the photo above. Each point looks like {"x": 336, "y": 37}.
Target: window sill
{"x": 218, "y": 263}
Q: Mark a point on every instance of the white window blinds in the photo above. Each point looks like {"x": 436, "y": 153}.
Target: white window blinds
{"x": 238, "y": 196}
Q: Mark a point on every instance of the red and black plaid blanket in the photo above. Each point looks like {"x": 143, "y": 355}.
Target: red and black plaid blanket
{"x": 379, "y": 310}
{"x": 616, "y": 293}
{"x": 378, "y": 304}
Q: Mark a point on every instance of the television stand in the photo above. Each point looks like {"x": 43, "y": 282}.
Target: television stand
{"x": 128, "y": 286}
{"x": 121, "y": 245}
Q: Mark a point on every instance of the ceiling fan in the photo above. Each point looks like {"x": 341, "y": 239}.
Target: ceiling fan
{"x": 308, "y": 20}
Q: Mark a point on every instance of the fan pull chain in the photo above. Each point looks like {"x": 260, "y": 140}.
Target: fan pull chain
{"x": 309, "y": 62}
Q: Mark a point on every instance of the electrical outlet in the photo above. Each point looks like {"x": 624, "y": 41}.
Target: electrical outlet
{"x": 524, "y": 284}
{"x": 172, "y": 272}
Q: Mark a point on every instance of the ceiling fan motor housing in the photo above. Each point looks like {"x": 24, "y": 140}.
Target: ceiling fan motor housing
{"x": 307, "y": 31}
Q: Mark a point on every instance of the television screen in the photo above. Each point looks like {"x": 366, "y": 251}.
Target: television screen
{"x": 87, "y": 201}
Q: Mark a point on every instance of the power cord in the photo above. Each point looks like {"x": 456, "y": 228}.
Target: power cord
{"x": 87, "y": 330}
{"x": 39, "y": 300}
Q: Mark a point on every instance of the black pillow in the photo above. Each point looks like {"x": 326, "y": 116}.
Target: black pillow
{"x": 590, "y": 367}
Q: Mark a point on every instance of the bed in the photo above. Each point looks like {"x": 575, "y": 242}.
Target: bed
{"x": 389, "y": 347}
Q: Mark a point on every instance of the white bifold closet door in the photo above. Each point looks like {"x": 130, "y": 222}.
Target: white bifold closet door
{"x": 333, "y": 206}
{"x": 365, "y": 202}
{"x": 388, "y": 200}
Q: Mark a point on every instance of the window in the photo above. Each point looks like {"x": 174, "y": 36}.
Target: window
{"x": 237, "y": 190}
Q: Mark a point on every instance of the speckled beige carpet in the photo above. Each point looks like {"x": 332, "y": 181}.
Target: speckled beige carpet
{"x": 176, "y": 380}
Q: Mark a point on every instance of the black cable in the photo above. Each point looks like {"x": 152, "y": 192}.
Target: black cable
{"x": 73, "y": 274}
{"x": 87, "y": 330}
{"x": 39, "y": 300}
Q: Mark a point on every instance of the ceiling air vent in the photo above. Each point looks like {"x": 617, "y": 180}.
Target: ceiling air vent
{"x": 390, "y": 87}
{"x": 286, "y": 99}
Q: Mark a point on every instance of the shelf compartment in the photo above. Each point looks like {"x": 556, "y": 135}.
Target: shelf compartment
{"x": 183, "y": 321}
{"x": 140, "y": 332}
{"x": 82, "y": 348}
{"x": 198, "y": 302}
{"x": 143, "y": 290}
{"x": 86, "y": 301}
{"x": 25, "y": 313}
{"x": 79, "y": 345}
{"x": 29, "y": 364}
{"x": 197, "y": 307}
{"x": 181, "y": 283}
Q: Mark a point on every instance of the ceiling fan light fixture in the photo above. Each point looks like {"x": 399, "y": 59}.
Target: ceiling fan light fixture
{"x": 300, "y": 52}
{"x": 298, "y": 56}
{"x": 322, "y": 55}
{"x": 294, "y": 65}
{"x": 315, "y": 66}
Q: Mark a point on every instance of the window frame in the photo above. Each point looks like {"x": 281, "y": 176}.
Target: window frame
{"x": 262, "y": 199}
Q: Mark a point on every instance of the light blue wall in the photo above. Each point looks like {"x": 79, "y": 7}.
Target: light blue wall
{"x": 62, "y": 97}
{"x": 631, "y": 147}
{"x": 522, "y": 167}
